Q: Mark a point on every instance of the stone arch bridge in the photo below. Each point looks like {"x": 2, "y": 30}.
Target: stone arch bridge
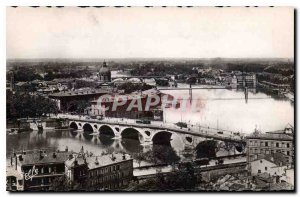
{"x": 148, "y": 134}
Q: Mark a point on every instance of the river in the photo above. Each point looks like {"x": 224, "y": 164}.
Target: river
{"x": 219, "y": 108}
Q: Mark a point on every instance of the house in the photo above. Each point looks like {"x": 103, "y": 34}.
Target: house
{"x": 37, "y": 170}
{"x": 111, "y": 171}
{"x": 273, "y": 167}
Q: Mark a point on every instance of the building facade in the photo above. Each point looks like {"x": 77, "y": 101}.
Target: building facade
{"x": 106, "y": 172}
{"x": 245, "y": 80}
{"x": 269, "y": 143}
{"x": 37, "y": 171}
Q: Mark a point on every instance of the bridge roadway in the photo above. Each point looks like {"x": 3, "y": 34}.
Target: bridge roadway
{"x": 193, "y": 130}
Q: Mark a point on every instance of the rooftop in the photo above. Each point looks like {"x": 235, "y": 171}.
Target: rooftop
{"x": 277, "y": 158}
{"x": 97, "y": 161}
{"x": 42, "y": 158}
{"x": 271, "y": 136}
{"x": 79, "y": 93}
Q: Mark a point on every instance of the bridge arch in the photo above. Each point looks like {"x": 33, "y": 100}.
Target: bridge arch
{"x": 165, "y": 137}
{"x": 162, "y": 138}
{"x": 132, "y": 133}
{"x": 87, "y": 128}
{"x": 106, "y": 130}
{"x": 73, "y": 125}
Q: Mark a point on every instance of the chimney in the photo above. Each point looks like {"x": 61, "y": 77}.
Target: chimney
{"x": 16, "y": 162}
{"x": 96, "y": 161}
{"x": 113, "y": 158}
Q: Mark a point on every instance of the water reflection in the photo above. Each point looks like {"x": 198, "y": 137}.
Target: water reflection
{"x": 106, "y": 140}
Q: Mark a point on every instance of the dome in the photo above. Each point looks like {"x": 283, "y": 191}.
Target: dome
{"x": 104, "y": 69}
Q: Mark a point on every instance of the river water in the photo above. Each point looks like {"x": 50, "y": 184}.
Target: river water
{"x": 218, "y": 108}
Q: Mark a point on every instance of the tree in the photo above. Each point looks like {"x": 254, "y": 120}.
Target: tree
{"x": 206, "y": 149}
{"x": 23, "y": 105}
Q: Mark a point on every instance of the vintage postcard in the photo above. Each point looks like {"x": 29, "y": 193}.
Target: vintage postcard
{"x": 150, "y": 99}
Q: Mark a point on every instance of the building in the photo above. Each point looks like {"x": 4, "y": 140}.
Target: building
{"x": 111, "y": 171}
{"x": 104, "y": 106}
{"x": 245, "y": 80}
{"x": 270, "y": 157}
{"x": 274, "y": 164}
{"x": 65, "y": 99}
{"x": 263, "y": 144}
{"x": 104, "y": 73}
{"x": 36, "y": 171}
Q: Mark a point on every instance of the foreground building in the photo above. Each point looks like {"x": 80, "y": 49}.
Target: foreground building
{"x": 38, "y": 171}
{"x": 270, "y": 158}
{"x": 263, "y": 144}
{"x": 112, "y": 172}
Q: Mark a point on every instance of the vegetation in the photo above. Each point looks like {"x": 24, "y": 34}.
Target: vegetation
{"x": 24, "y": 105}
{"x": 129, "y": 87}
{"x": 206, "y": 149}
{"x": 158, "y": 155}
{"x": 78, "y": 106}
{"x": 182, "y": 179}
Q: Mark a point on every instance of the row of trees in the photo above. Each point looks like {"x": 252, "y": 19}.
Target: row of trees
{"x": 158, "y": 155}
{"x": 24, "y": 105}
{"x": 129, "y": 87}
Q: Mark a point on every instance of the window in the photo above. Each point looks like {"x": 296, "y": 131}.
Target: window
{"x": 288, "y": 145}
{"x": 259, "y": 171}
{"x": 266, "y": 168}
{"x": 266, "y": 144}
{"x": 288, "y": 152}
{"x": 277, "y": 144}
{"x": 261, "y": 161}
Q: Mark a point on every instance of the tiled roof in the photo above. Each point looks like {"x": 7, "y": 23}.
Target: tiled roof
{"x": 48, "y": 157}
{"x": 271, "y": 136}
{"x": 97, "y": 161}
{"x": 277, "y": 158}
{"x": 104, "y": 160}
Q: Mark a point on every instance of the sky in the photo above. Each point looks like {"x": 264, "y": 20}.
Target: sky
{"x": 137, "y": 32}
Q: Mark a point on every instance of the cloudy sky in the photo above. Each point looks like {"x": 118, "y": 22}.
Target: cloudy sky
{"x": 150, "y": 32}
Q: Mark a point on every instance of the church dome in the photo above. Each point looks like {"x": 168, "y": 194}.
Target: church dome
{"x": 104, "y": 69}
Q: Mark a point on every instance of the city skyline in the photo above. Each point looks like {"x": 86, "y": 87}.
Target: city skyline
{"x": 73, "y": 32}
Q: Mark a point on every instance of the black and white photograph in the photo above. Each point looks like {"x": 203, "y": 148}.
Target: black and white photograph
{"x": 151, "y": 99}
